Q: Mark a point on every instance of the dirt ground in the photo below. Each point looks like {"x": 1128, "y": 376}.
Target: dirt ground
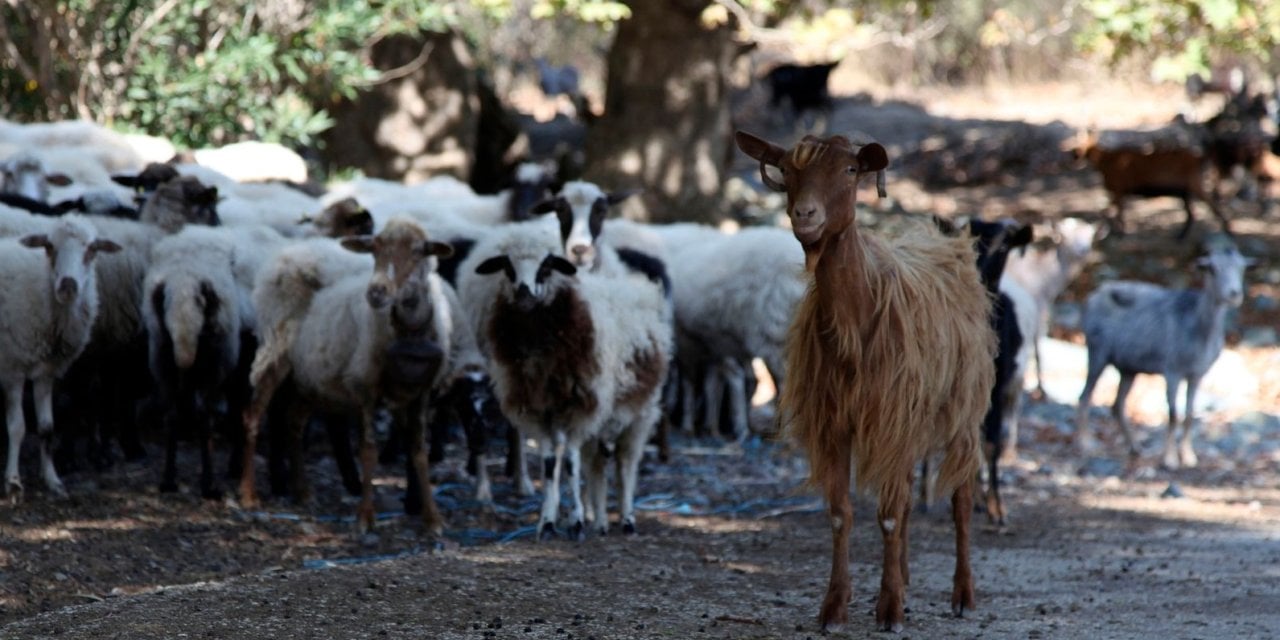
{"x": 732, "y": 545}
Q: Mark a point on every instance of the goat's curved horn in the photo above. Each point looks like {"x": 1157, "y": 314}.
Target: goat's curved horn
{"x": 770, "y": 182}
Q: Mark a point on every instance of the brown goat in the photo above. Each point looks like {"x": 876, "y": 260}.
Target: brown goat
{"x": 1151, "y": 171}
{"x": 889, "y": 359}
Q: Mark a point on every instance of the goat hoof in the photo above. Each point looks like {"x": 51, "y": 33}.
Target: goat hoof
{"x": 629, "y": 528}
{"x": 547, "y": 531}
{"x": 577, "y": 532}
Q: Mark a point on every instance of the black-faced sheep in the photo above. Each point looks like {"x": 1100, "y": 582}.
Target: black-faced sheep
{"x": 577, "y": 359}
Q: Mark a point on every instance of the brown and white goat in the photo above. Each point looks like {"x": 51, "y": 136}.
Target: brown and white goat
{"x": 889, "y": 359}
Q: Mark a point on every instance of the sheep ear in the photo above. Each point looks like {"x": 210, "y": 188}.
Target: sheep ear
{"x": 102, "y": 245}
{"x": 127, "y": 181}
{"x": 358, "y": 244}
{"x": 546, "y": 206}
{"x": 437, "y": 249}
{"x": 57, "y": 179}
{"x": 619, "y": 196}
{"x": 1022, "y": 237}
{"x": 67, "y": 206}
{"x": 872, "y": 157}
{"x": 947, "y": 227}
{"x": 560, "y": 264}
{"x": 496, "y": 264}
{"x": 37, "y": 241}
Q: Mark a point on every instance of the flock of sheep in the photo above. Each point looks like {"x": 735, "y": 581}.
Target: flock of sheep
{"x": 219, "y": 294}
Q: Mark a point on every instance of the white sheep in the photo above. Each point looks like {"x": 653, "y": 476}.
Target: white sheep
{"x": 360, "y": 341}
{"x": 254, "y": 161}
{"x": 48, "y": 304}
{"x": 577, "y": 361}
{"x": 192, "y": 315}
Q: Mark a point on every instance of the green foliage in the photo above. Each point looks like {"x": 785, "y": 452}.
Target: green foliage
{"x": 1184, "y": 36}
{"x": 201, "y": 72}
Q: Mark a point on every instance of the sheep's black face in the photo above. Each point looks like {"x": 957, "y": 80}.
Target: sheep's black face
{"x": 530, "y": 281}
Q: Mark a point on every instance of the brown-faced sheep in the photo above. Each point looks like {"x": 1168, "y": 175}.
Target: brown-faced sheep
{"x": 889, "y": 360}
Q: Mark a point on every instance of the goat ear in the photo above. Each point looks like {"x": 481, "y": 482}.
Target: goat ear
{"x": 437, "y": 249}
{"x": 494, "y": 265}
{"x": 764, "y": 151}
{"x": 102, "y": 245}
{"x": 619, "y": 196}
{"x": 561, "y": 265}
{"x": 358, "y": 244}
{"x": 872, "y": 157}
{"x": 57, "y": 179}
{"x": 37, "y": 241}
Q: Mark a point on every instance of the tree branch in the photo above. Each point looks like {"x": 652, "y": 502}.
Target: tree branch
{"x": 754, "y": 32}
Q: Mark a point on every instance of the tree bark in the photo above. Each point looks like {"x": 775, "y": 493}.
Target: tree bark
{"x": 666, "y": 123}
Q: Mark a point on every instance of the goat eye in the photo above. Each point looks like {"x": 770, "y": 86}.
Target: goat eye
{"x": 850, "y": 169}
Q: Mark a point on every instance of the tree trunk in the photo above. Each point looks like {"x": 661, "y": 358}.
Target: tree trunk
{"x": 666, "y": 122}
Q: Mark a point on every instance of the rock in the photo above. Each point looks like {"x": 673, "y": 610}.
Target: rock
{"x": 1173, "y": 491}
{"x": 1265, "y": 303}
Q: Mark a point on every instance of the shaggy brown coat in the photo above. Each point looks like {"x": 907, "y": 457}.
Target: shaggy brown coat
{"x": 889, "y": 359}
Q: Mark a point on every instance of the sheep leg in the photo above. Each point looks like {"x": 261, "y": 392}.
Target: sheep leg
{"x": 1117, "y": 411}
{"x": 551, "y": 489}
{"x": 962, "y": 598}
{"x": 516, "y": 456}
{"x": 576, "y": 529}
{"x": 264, "y": 389}
{"x": 368, "y": 462}
{"x": 688, "y": 403}
{"x": 17, "y": 428}
{"x": 891, "y": 605}
{"x": 411, "y": 420}
{"x": 175, "y": 413}
{"x": 204, "y": 417}
{"x": 1185, "y": 452}
{"x": 595, "y": 459}
{"x": 1085, "y": 442}
{"x": 338, "y": 428}
{"x": 42, "y": 393}
{"x": 712, "y": 395}
{"x": 628, "y": 472}
{"x": 1035, "y": 354}
{"x": 995, "y": 504}
{"x": 835, "y": 605}
{"x": 738, "y": 400}
{"x": 1169, "y": 459}
{"x": 297, "y": 420}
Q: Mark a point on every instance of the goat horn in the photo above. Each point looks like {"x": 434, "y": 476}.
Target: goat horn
{"x": 770, "y": 182}
{"x": 880, "y": 184}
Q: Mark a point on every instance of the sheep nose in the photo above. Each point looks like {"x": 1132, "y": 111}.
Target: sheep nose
{"x": 67, "y": 288}
{"x": 523, "y": 292}
{"x": 579, "y": 250}
{"x": 377, "y": 296}
{"x": 410, "y": 302}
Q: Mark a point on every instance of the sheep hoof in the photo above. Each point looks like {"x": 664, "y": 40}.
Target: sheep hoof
{"x": 629, "y": 528}
{"x": 547, "y": 531}
{"x": 57, "y": 489}
{"x": 13, "y": 487}
{"x": 577, "y": 532}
